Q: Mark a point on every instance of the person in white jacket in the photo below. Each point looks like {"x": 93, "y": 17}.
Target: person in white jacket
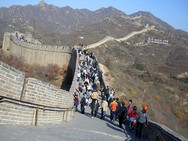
{"x": 104, "y": 108}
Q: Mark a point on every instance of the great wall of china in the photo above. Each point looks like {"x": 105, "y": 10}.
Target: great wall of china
{"x": 30, "y": 101}
{"x": 36, "y": 53}
{"x": 108, "y": 38}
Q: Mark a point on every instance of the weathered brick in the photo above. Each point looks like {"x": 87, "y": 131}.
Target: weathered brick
{"x": 5, "y": 69}
{"x": 19, "y": 79}
{"x": 3, "y": 77}
{"x": 2, "y": 81}
{"x": 10, "y": 76}
{"x": 4, "y": 89}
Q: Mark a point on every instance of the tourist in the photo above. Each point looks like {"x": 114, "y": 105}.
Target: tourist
{"x": 122, "y": 114}
{"x": 130, "y": 106}
{"x": 94, "y": 103}
{"x": 113, "y": 106}
{"x": 104, "y": 108}
{"x": 132, "y": 118}
{"x": 142, "y": 119}
{"x": 76, "y": 101}
{"x": 83, "y": 104}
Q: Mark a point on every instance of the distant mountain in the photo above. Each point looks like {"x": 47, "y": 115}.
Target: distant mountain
{"x": 52, "y": 19}
{"x": 142, "y": 17}
{"x": 146, "y": 72}
{"x": 69, "y": 24}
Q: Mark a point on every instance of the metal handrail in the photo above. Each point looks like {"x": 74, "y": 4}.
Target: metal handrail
{"x": 158, "y": 134}
{"x": 40, "y": 106}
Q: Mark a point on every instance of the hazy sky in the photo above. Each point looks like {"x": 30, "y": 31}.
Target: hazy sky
{"x": 174, "y": 12}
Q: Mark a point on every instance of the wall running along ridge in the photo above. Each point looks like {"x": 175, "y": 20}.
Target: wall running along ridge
{"x": 36, "y": 53}
{"x": 23, "y": 100}
{"x": 30, "y": 101}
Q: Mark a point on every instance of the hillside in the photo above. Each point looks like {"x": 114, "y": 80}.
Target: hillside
{"x": 68, "y": 26}
{"x": 151, "y": 73}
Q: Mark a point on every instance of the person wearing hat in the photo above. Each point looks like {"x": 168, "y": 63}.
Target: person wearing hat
{"x": 142, "y": 119}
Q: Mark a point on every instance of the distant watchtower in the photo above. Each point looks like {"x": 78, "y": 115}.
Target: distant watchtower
{"x": 42, "y": 2}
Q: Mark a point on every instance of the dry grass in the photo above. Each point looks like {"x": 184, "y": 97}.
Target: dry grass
{"x": 51, "y": 73}
{"x": 158, "y": 95}
{"x": 158, "y": 98}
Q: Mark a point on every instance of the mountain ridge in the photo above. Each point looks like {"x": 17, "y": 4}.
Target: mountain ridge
{"x": 143, "y": 71}
{"x": 50, "y": 19}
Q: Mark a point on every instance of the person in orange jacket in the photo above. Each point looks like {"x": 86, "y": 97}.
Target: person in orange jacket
{"x": 113, "y": 107}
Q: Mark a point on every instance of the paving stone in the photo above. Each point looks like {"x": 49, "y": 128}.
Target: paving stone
{"x": 82, "y": 128}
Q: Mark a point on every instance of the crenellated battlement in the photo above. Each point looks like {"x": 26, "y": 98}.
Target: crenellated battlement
{"x": 33, "y": 52}
{"x": 40, "y": 47}
{"x": 32, "y": 102}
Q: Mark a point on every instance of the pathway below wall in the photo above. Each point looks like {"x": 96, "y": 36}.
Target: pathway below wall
{"x": 83, "y": 128}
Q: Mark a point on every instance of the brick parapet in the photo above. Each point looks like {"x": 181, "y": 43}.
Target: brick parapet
{"x": 36, "y": 53}
{"x": 11, "y": 81}
{"x": 32, "y": 46}
{"x": 156, "y": 131}
{"x": 74, "y": 85}
{"x": 42, "y": 93}
{"x": 20, "y": 97}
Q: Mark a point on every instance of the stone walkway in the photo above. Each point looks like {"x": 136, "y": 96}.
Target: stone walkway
{"x": 82, "y": 128}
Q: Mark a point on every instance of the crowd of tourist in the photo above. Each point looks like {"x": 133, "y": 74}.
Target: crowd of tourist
{"x": 20, "y": 37}
{"x": 93, "y": 93}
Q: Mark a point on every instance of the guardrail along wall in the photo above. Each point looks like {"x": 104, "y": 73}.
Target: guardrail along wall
{"x": 30, "y": 101}
{"x": 37, "y": 53}
{"x": 159, "y": 132}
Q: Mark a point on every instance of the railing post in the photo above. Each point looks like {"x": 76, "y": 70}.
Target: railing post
{"x": 63, "y": 118}
{"x": 66, "y": 116}
{"x": 36, "y": 116}
{"x": 157, "y": 137}
{"x": 74, "y": 110}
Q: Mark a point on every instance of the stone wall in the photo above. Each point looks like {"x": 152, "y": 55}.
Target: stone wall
{"x": 36, "y": 91}
{"x": 11, "y": 81}
{"x": 36, "y": 53}
{"x": 159, "y": 132}
{"x": 30, "y": 101}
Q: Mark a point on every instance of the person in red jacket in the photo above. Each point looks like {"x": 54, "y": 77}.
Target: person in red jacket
{"x": 132, "y": 118}
{"x": 130, "y": 106}
{"x": 76, "y": 102}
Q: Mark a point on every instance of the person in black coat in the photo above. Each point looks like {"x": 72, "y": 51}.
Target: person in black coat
{"x": 83, "y": 104}
{"x": 122, "y": 114}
